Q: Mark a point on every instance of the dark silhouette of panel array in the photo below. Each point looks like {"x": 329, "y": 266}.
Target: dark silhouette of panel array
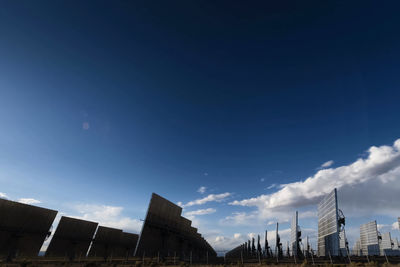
{"x": 126, "y": 246}
{"x": 165, "y": 233}
{"x": 72, "y": 238}
{"x": 23, "y": 229}
{"x": 105, "y": 242}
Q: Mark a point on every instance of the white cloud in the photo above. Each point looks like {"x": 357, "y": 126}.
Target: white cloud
{"x": 377, "y": 176}
{"x": 29, "y": 201}
{"x": 272, "y": 186}
{"x": 327, "y": 164}
{"x": 240, "y": 218}
{"x": 395, "y": 226}
{"x": 200, "y": 212}
{"x": 262, "y": 179}
{"x": 202, "y": 189}
{"x": 3, "y": 195}
{"x": 209, "y": 198}
{"x": 236, "y": 236}
{"x": 110, "y": 216}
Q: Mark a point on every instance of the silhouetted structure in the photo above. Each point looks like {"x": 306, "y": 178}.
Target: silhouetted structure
{"x": 23, "y": 229}
{"x": 72, "y": 238}
{"x": 166, "y": 233}
{"x": 295, "y": 237}
{"x": 278, "y": 244}
{"x": 105, "y": 242}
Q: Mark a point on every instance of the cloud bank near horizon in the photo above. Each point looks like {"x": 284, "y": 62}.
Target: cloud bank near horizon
{"x": 376, "y": 176}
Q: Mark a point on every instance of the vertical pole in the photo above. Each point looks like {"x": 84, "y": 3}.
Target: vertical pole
{"x": 294, "y": 256}
{"x": 330, "y": 258}
{"x": 259, "y": 260}
{"x": 312, "y": 257}
{"x": 241, "y": 256}
{"x": 158, "y": 257}
{"x": 384, "y": 252}
{"x": 348, "y": 254}
{"x": 367, "y": 258}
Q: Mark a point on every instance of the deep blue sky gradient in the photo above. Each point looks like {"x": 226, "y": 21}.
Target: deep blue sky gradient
{"x": 175, "y": 89}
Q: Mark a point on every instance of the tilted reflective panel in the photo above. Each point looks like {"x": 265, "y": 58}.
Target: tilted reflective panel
{"x": 328, "y": 227}
{"x": 23, "y": 228}
{"x": 105, "y": 242}
{"x": 126, "y": 245}
{"x": 72, "y": 238}
{"x": 294, "y": 235}
{"x": 165, "y": 233}
{"x": 369, "y": 238}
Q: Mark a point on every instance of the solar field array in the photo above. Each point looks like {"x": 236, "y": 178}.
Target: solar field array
{"x": 24, "y": 228}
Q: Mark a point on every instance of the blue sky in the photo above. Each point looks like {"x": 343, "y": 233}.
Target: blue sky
{"x": 103, "y": 103}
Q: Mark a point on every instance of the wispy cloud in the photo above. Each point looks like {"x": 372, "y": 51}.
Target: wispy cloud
{"x": 209, "y": 198}
{"x": 202, "y": 189}
{"x": 110, "y": 216}
{"x": 272, "y": 186}
{"x": 327, "y": 164}
{"x": 29, "y": 201}
{"x": 262, "y": 179}
{"x": 200, "y": 212}
{"x": 377, "y": 175}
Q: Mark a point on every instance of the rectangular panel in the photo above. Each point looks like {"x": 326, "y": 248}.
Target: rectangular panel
{"x": 72, "y": 238}
{"x": 166, "y": 233}
{"x": 369, "y": 238}
{"x": 328, "y": 228}
{"x": 126, "y": 245}
{"x": 23, "y": 228}
{"x": 105, "y": 242}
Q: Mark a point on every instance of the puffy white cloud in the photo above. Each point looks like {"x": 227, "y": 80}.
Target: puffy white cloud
{"x": 29, "y": 201}
{"x": 200, "y": 212}
{"x": 395, "y": 226}
{"x": 110, "y": 216}
{"x": 209, "y": 198}
{"x": 376, "y": 176}
{"x": 202, "y": 189}
{"x": 236, "y": 236}
{"x": 3, "y": 195}
{"x": 327, "y": 164}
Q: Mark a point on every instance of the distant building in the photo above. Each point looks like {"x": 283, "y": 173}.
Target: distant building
{"x": 369, "y": 239}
